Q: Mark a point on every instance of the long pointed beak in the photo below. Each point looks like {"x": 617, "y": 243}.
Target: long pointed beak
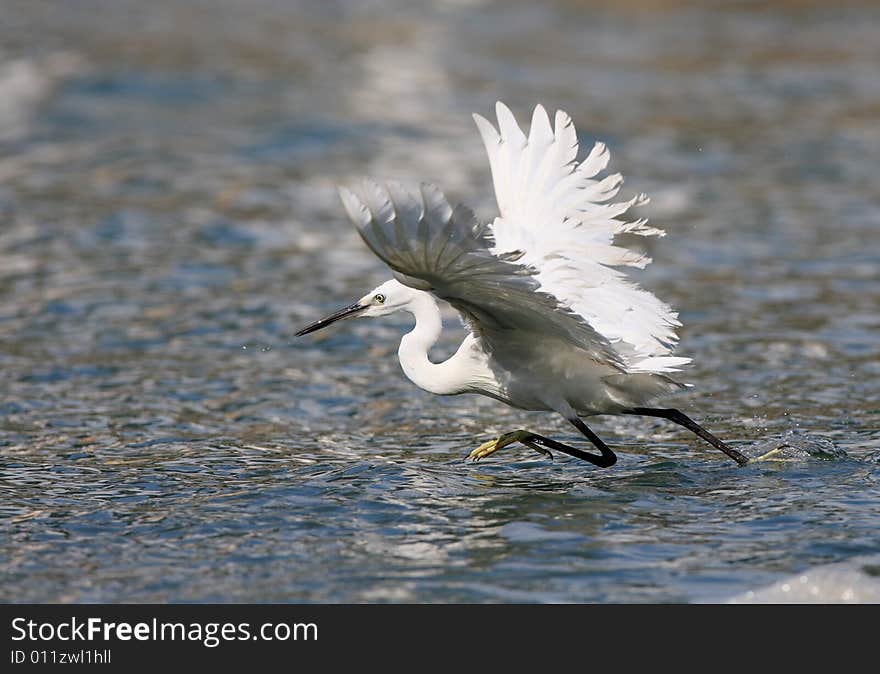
{"x": 351, "y": 310}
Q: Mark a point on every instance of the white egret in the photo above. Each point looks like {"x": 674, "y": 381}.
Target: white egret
{"x": 553, "y": 324}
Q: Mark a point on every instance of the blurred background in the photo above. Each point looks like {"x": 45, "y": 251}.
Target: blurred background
{"x": 168, "y": 219}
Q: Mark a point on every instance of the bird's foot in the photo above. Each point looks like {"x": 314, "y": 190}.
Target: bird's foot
{"x": 775, "y": 454}
{"x": 502, "y": 441}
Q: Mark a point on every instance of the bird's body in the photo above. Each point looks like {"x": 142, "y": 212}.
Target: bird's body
{"x": 538, "y": 376}
{"x": 554, "y": 324}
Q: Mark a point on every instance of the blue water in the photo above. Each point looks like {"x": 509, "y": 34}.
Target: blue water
{"x": 168, "y": 219}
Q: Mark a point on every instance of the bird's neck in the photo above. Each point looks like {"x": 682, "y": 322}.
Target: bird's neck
{"x": 440, "y": 378}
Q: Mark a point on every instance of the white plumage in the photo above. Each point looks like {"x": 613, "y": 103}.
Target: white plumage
{"x": 554, "y": 322}
{"x": 558, "y": 213}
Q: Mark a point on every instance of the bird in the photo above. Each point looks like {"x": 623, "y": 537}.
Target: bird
{"x": 553, "y": 322}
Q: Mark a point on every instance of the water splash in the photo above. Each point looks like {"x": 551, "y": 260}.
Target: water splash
{"x": 795, "y": 445}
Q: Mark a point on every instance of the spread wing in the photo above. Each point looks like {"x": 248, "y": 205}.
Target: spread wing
{"x": 431, "y": 246}
{"x": 559, "y": 214}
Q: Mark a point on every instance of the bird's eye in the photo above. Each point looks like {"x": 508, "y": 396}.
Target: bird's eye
{"x": 380, "y": 298}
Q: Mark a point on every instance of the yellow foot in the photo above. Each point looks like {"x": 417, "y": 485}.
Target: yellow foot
{"x": 503, "y": 441}
{"x": 769, "y": 455}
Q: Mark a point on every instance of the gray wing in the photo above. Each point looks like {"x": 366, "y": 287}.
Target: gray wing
{"x": 431, "y": 246}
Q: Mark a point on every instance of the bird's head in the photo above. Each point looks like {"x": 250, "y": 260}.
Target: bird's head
{"x": 382, "y": 300}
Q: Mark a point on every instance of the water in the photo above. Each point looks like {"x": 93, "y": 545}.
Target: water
{"x": 168, "y": 219}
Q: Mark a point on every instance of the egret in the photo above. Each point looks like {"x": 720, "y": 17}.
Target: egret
{"x": 553, "y": 323}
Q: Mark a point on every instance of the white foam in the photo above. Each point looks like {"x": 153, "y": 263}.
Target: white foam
{"x": 855, "y": 581}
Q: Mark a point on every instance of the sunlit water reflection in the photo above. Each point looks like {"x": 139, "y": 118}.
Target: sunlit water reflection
{"x": 168, "y": 218}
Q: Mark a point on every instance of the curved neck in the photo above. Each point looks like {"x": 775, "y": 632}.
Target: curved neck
{"x": 437, "y": 378}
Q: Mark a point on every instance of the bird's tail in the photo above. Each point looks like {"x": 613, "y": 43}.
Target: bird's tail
{"x": 640, "y": 389}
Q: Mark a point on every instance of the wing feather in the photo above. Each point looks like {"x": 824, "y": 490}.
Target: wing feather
{"x": 431, "y": 246}
{"x": 563, "y": 219}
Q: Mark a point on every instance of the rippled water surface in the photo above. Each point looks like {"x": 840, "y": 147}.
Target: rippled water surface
{"x": 168, "y": 219}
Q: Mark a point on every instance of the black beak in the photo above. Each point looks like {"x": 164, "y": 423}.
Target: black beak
{"x": 332, "y": 318}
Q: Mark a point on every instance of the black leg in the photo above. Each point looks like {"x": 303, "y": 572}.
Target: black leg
{"x": 608, "y": 457}
{"x": 606, "y": 460}
{"x": 683, "y": 420}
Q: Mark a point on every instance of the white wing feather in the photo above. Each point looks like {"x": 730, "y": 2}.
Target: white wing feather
{"x": 432, "y": 247}
{"x": 559, "y": 214}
